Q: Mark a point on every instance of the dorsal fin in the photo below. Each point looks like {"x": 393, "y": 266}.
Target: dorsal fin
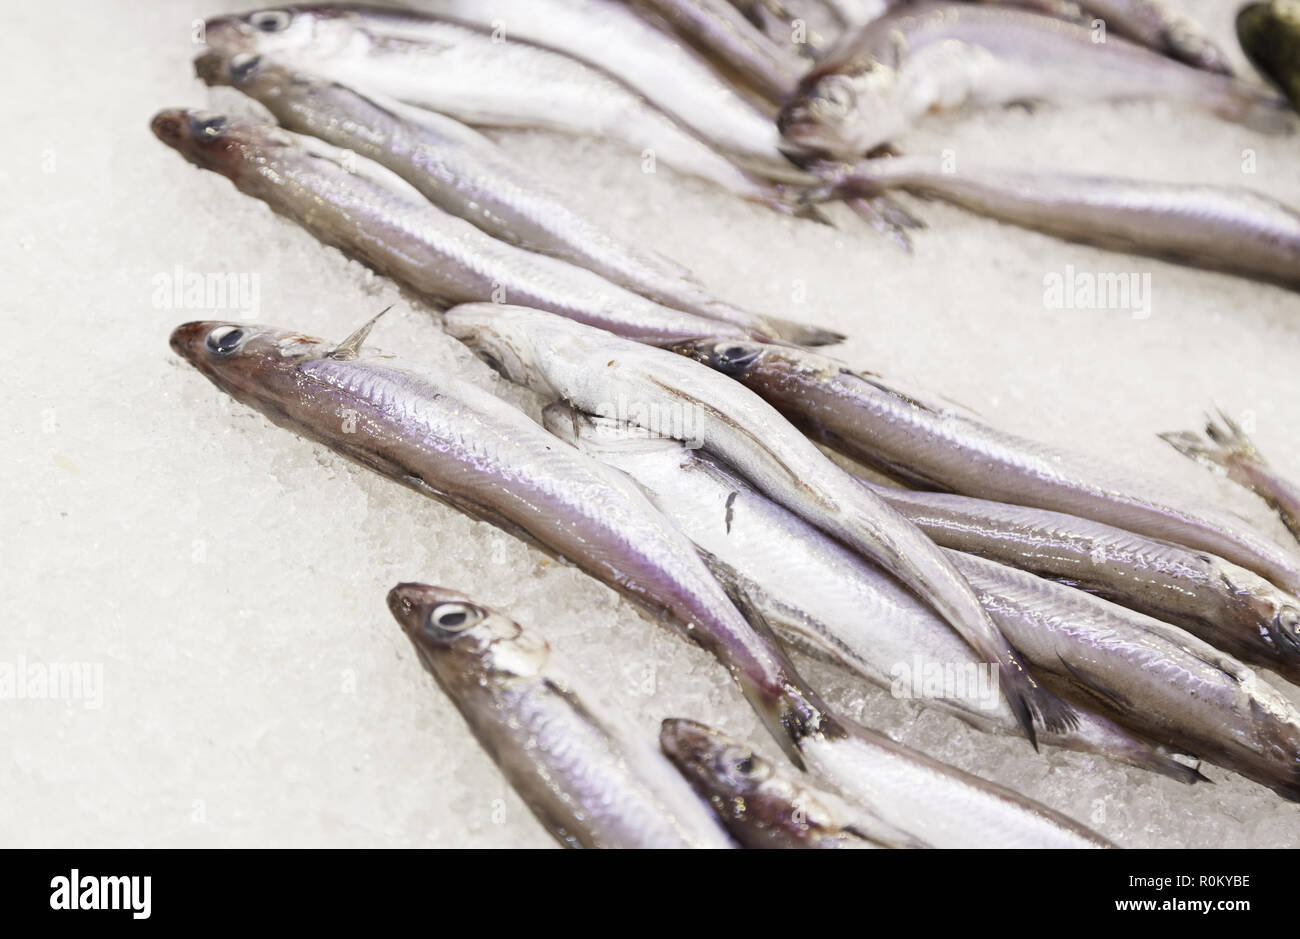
{"x": 350, "y": 347}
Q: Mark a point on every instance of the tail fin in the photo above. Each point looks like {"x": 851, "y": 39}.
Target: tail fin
{"x": 887, "y": 217}
{"x": 1224, "y": 445}
{"x": 1257, "y": 108}
{"x": 803, "y": 334}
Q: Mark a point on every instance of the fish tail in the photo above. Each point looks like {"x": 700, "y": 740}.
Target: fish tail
{"x": 1033, "y": 703}
{"x": 887, "y": 217}
{"x": 1224, "y": 445}
{"x": 1256, "y": 108}
{"x": 803, "y": 334}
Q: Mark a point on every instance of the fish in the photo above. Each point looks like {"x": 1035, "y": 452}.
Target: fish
{"x": 762, "y": 805}
{"x": 1227, "y": 449}
{"x": 926, "y": 443}
{"x": 1222, "y": 228}
{"x": 1229, "y": 607}
{"x": 612, "y": 37}
{"x": 728, "y": 37}
{"x": 806, "y": 28}
{"x": 1149, "y": 676}
{"x": 482, "y": 80}
{"x": 394, "y": 229}
{"x": 959, "y": 57}
{"x": 1157, "y": 25}
{"x": 463, "y": 446}
{"x": 1270, "y": 36}
{"x": 823, "y": 599}
{"x": 586, "y": 778}
{"x": 466, "y": 174}
{"x": 594, "y": 371}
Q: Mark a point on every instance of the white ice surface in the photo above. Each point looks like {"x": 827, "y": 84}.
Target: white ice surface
{"x": 230, "y": 577}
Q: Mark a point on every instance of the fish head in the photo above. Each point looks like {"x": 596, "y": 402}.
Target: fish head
{"x": 240, "y": 150}
{"x": 254, "y": 364}
{"x": 319, "y": 31}
{"x": 253, "y": 73}
{"x": 734, "y": 357}
{"x": 508, "y": 338}
{"x": 720, "y": 766}
{"x": 456, "y": 637}
{"x": 844, "y": 111}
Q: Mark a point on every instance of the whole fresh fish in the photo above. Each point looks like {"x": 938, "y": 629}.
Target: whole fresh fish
{"x": 612, "y": 37}
{"x": 1154, "y": 23}
{"x": 395, "y": 230}
{"x": 1221, "y": 228}
{"x": 464, "y": 446}
{"x": 823, "y": 598}
{"x": 721, "y": 31}
{"x": 1228, "y": 606}
{"x": 934, "y": 446}
{"x": 1226, "y": 449}
{"x": 596, "y": 372}
{"x": 952, "y": 57}
{"x": 1270, "y": 37}
{"x": 589, "y": 781}
{"x": 464, "y": 173}
{"x": 762, "y": 805}
{"x": 1162, "y": 682}
{"x": 483, "y": 80}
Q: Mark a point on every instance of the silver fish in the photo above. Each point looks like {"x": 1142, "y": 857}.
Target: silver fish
{"x": 459, "y": 444}
{"x": 1224, "y": 604}
{"x": 475, "y": 78}
{"x": 945, "y": 56}
{"x": 395, "y": 230}
{"x": 762, "y": 805}
{"x": 1152, "y": 677}
{"x": 721, "y": 31}
{"x": 1226, "y": 449}
{"x": 613, "y": 38}
{"x": 466, "y": 174}
{"x": 1220, "y": 228}
{"x": 594, "y": 371}
{"x": 587, "y": 779}
{"x": 821, "y": 597}
{"x": 934, "y": 446}
{"x": 1155, "y": 24}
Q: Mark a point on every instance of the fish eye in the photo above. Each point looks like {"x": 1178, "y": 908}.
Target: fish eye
{"x": 224, "y": 340}
{"x": 732, "y": 358}
{"x": 244, "y": 65}
{"x": 209, "y": 128}
{"x": 454, "y": 617}
{"x": 741, "y": 765}
{"x": 1287, "y": 625}
{"x": 835, "y": 97}
{"x": 271, "y": 21}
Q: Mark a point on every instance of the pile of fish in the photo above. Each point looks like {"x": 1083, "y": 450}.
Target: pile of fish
{"x": 1110, "y": 614}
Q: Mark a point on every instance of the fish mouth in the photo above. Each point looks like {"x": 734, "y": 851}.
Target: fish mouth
{"x": 409, "y": 601}
{"x": 169, "y": 126}
{"x": 685, "y": 742}
{"x": 188, "y": 338}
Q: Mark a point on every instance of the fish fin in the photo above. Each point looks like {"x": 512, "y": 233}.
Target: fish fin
{"x": 1091, "y": 684}
{"x": 1223, "y": 445}
{"x": 887, "y": 217}
{"x": 350, "y": 347}
{"x": 803, "y": 334}
{"x": 793, "y": 711}
{"x": 1258, "y": 109}
{"x": 1032, "y": 701}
